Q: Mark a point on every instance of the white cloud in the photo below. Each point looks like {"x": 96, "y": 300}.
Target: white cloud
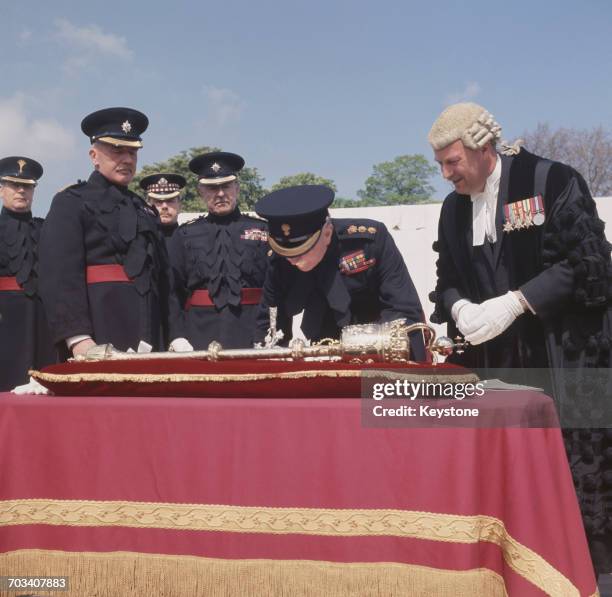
{"x": 470, "y": 91}
{"x": 89, "y": 42}
{"x": 91, "y": 37}
{"x": 41, "y": 138}
{"x": 224, "y": 106}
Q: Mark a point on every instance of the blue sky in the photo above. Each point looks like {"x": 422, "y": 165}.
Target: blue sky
{"x": 328, "y": 87}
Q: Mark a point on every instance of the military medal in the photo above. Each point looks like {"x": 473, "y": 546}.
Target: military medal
{"x": 518, "y": 220}
{"x": 255, "y": 234}
{"x": 537, "y": 204}
{"x": 524, "y": 214}
{"x": 356, "y": 262}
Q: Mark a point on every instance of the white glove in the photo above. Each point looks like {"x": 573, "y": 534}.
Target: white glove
{"x": 465, "y": 313}
{"x": 496, "y": 316}
{"x": 180, "y": 345}
{"x": 33, "y": 387}
{"x": 146, "y": 347}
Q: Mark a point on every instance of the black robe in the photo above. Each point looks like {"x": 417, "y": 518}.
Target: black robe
{"x": 563, "y": 268}
{"x": 361, "y": 279}
{"x": 25, "y": 340}
{"x": 99, "y": 223}
{"x": 221, "y": 255}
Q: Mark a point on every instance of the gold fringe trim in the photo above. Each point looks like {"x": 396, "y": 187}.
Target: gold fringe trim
{"x": 431, "y": 526}
{"x": 43, "y": 376}
{"x": 129, "y": 574}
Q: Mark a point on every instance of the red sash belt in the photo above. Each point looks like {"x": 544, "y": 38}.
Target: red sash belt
{"x": 201, "y": 298}
{"x": 9, "y": 283}
{"x": 106, "y": 273}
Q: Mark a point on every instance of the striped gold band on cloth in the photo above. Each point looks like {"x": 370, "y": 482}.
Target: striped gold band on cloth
{"x": 430, "y": 526}
{"x": 129, "y": 574}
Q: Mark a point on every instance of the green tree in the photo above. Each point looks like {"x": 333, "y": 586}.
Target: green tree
{"x": 344, "y": 202}
{"x": 404, "y": 180}
{"x": 251, "y": 183}
{"x": 303, "y": 178}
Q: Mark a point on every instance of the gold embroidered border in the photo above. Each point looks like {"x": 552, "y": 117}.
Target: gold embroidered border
{"x": 132, "y": 574}
{"x": 43, "y": 376}
{"x": 431, "y": 526}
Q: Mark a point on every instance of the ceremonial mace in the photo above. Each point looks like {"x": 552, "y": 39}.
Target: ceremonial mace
{"x": 369, "y": 342}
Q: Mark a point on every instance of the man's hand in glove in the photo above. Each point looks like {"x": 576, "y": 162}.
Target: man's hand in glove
{"x": 465, "y": 313}
{"x": 180, "y": 345}
{"x": 496, "y": 315}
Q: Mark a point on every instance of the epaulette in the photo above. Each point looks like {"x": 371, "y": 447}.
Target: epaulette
{"x": 358, "y": 231}
{"x": 190, "y": 222}
{"x": 253, "y": 216}
{"x": 74, "y": 185}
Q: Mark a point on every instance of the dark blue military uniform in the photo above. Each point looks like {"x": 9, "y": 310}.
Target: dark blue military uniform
{"x": 104, "y": 266}
{"x": 362, "y": 277}
{"x": 25, "y": 341}
{"x": 223, "y": 259}
{"x": 98, "y": 223}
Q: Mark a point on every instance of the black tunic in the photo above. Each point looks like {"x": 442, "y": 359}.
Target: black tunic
{"x": 99, "y": 223}
{"x": 221, "y": 255}
{"x": 361, "y": 279}
{"x": 563, "y": 268}
{"x": 168, "y": 230}
{"x": 25, "y": 341}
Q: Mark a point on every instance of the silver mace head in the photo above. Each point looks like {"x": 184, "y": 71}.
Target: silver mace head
{"x": 443, "y": 345}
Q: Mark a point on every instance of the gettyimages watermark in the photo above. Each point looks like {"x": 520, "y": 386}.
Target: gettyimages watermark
{"x": 442, "y": 397}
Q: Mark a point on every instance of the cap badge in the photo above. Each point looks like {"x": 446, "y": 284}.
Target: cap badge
{"x": 126, "y": 127}
{"x": 215, "y": 167}
{"x": 21, "y": 164}
{"x": 162, "y": 181}
{"x": 286, "y": 228}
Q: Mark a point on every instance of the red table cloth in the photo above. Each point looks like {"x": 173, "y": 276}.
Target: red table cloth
{"x": 161, "y": 496}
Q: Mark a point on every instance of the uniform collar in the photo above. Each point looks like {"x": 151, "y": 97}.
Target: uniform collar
{"x": 23, "y": 216}
{"x": 230, "y": 217}
{"x": 168, "y": 229}
{"x": 100, "y": 180}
